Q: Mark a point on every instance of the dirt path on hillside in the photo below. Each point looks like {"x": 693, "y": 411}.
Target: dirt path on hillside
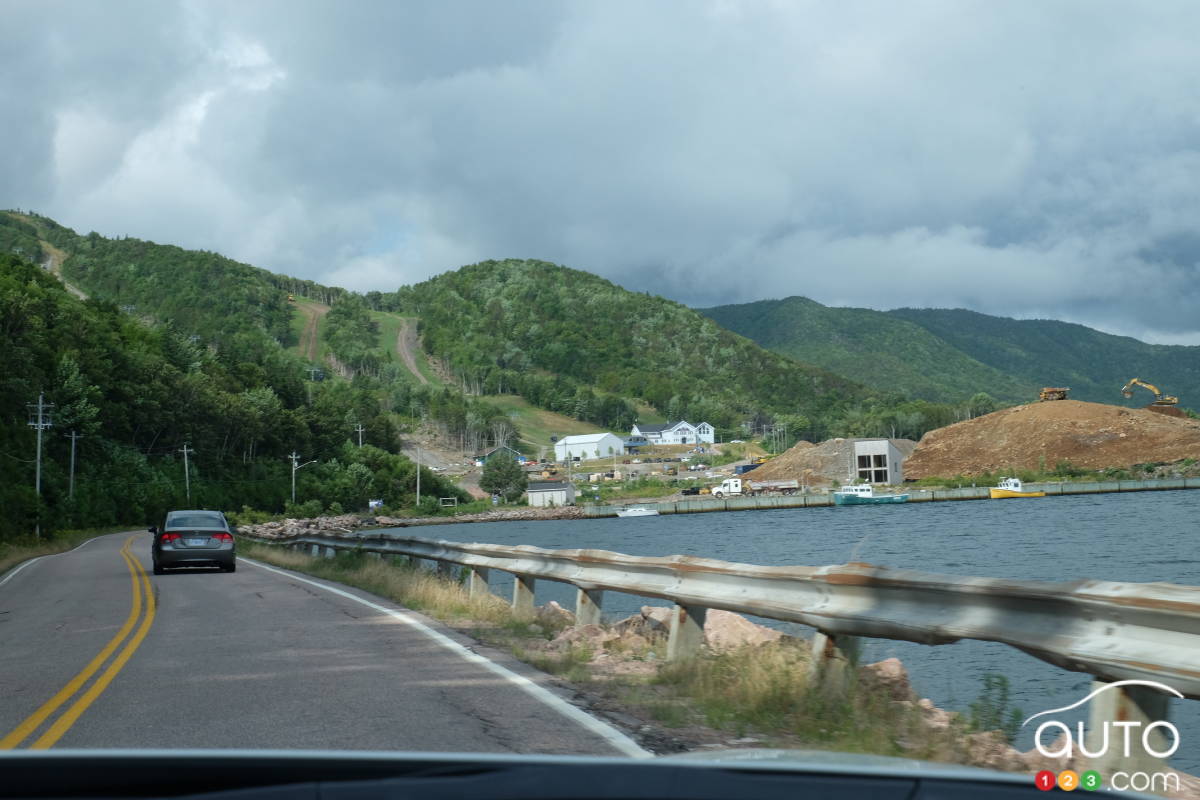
{"x": 407, "y": 347}
{"x": 53, "y": 265}
{"x": 308, "y": 339}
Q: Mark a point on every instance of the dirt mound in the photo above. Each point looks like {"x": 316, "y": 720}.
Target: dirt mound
{"x": 826, "y": 463}
{"x": 1040, "y": 435}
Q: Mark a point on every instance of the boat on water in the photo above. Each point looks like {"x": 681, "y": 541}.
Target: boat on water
{"x": 864, "y": 494}
{"x": 638, "y": 511}
{"x": 1011, "y": 487}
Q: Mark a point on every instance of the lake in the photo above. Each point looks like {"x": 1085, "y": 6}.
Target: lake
{"x": 1138, "y": 536}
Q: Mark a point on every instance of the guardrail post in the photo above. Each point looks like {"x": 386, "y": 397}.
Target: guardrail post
{"x": 316, "y": 550}
{"x": 477, "y": 582}
{"x": 833, "y": 659}
{"x": 1124, "y": 715}
{"x": 587, "y": 607}
{"x": 330, "y": 552}
{"x": 687, "y": 632}
{"x": 522, "y": 601}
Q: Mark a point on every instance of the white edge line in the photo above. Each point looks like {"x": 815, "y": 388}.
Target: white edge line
{"x": 13, "y": 573}
{"x": 610, "y": 734}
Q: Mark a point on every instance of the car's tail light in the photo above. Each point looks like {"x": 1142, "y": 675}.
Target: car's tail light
{"x": 223, "y": 537}
{"x": 167, "y": 538}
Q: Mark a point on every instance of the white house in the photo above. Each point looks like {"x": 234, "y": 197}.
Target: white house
{"x": 680, "y": 432}
{"x": 590, "y": 445}
{"x": 878, "y": 461}
{"x": 551, "y": 493}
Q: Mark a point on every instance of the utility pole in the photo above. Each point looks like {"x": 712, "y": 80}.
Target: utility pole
{"x": 73, "y": 436}
{"x": 359, "y": 428}
{"x": 39, "y": 418}
{"x": 296, "y": 457}
{"x": 187, "y": 478}
{"x": 418, "y": 476}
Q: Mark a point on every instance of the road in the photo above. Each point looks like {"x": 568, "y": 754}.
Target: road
{"x": 114, "y": 657}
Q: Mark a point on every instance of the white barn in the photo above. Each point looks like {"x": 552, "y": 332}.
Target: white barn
{"x": 590, "y": 445}
{"x": 681, "y": 432}
{"x": 551, "y": 493}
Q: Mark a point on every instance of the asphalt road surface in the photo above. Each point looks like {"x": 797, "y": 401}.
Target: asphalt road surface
{"x": 96, "y": 652}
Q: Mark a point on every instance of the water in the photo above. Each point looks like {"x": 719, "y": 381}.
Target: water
{"x": 1142, "y": 536}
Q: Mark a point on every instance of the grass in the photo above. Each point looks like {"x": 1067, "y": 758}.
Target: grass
{"x": 538, "y": 425}
{"x": 17, "y": 551}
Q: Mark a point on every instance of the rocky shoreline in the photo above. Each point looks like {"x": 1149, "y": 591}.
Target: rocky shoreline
{"x": 348, "y": 523}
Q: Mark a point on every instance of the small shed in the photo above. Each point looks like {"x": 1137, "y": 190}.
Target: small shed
{"x": 551, "y": 493}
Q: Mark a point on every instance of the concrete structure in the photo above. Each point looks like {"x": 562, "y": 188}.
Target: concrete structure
{"x": 585, "y": 446}
{"x": 551, "y": 493}
{"x": 877, "y": 461}
{"x": 680, "y": 432}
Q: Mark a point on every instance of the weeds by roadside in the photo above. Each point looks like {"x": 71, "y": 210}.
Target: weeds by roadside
{"x": 15, "y": 551}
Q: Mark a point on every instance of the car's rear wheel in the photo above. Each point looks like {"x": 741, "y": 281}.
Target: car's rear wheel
{"x": 230, "y": 567}
{"x": 158, "y": 570}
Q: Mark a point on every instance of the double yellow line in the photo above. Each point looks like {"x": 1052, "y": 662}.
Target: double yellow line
{"x": 143, "y": 598}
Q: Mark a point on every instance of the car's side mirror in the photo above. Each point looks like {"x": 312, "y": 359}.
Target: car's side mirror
{"x": 154, "y": 529}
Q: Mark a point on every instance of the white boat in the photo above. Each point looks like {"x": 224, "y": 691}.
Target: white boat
{"x": 1012, "y": 487}
{"x": 638, "y": 511}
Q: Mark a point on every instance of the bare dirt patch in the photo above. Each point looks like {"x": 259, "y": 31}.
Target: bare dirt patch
{"x": 407, "y": 346}
{"x": 1040, "y": 435}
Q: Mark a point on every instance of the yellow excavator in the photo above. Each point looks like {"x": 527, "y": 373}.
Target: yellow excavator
{"x": 1159, "y": 398}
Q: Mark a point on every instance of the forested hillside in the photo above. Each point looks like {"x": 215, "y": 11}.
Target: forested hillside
{"x": 883, "y": 351}
{"x": 139, "y": 393}
{"x": 553, "y": 334}
{"x": 1048, "y": 352}
{"x": 953, "y": 354}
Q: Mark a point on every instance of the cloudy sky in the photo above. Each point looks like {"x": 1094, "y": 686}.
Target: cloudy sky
{"x": 1019, "y": 158}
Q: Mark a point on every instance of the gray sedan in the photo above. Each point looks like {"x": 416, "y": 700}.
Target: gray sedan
{"x": 193, "y": 539}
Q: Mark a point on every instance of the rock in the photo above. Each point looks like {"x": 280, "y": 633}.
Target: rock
{"x": 535, "y": 628}
{"x": 657, "y": 619}
{"x": 725, "y": 630}
{"x": 934, "y": 718}
{"x": 593, "y": 637}
{"x": 888, "y": 676}
{"x": 991, "y": 750}
{"x": 552, "y": 614}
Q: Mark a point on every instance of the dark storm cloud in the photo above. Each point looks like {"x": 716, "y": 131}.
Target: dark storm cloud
{"x": 1023, "y": 159}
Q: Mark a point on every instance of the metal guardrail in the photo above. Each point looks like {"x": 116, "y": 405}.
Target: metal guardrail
{"x": 1112, "y": 630}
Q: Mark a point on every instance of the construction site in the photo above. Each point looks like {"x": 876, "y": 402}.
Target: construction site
{"x": 1052, "y": 433}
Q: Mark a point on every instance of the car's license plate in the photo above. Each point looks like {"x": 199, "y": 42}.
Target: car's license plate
{"x": 196, "y": 542}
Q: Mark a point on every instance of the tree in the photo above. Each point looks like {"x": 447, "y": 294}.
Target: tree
{"x": 502, "y": 475}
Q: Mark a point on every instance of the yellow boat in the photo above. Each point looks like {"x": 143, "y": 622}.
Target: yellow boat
{"x": 1011, "y": 487}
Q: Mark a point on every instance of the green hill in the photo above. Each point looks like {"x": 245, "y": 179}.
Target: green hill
{"x": 1050, "y": 353}
{"x": 562, "y": 337}
{"x": 949, "y": 355}
{"x": 886, "y": 352}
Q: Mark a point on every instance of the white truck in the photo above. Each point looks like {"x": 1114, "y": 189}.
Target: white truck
{"x": 736, "y": 487}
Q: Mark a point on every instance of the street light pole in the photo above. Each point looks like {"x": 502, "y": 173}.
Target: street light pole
{"x": 295, "y": 457}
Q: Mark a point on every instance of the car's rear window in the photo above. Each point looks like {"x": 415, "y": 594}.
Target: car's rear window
{"x": 195, "y": 521}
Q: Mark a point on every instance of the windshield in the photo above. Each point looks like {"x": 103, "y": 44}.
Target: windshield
{"x": 604, "y": 379}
